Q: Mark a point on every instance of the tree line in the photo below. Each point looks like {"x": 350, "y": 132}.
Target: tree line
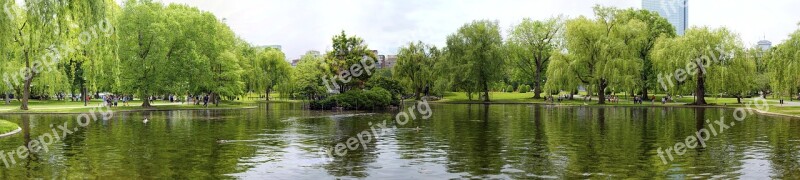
{"x": 141, "y": 49}
{"x": 618, "y": 51}
{"x": 54, "y": 48}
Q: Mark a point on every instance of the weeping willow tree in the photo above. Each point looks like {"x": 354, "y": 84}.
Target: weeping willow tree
{"x": 43, "y": 33}
{"x": 271, "y": 69}
{"x": 7, "y": 46}
{"x": 90, "y": 32}
{"x": 701, "y": 61}
{"x": 784, "y": 65}
{"x": 598, "y": 54}
{"x": 35, "y": 33}
{"x": 738, "y": 74}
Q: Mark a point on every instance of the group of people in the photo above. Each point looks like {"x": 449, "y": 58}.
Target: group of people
{"x": 198, "y": 99}
{"x": 113, "y": 100}
{"x": 612, "y": 98}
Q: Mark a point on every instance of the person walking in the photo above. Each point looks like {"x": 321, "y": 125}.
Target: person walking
{"x": 205, "y": 101}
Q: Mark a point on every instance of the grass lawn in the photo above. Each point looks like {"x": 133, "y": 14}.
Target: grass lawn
{"x": 790, "y": 108}
{"x": 7, "y": 126}
{"x": 37, "y": 106}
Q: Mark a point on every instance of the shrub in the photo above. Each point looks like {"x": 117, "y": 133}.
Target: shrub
{"x": 509, "y": 88}
{"x": 390, "y": 85}
{"x": 524, "y": 88}
{"x": 375, "y": 98}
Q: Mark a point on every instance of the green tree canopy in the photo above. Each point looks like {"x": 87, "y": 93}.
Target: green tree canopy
{"x": 475, "y": 58}
{"x": 598, "y": 53}
{"x": 415, "y": 63}
{"x": 702, "y": 55}
{"x": 348, "y": 51}
{"x": 530, "y": 45}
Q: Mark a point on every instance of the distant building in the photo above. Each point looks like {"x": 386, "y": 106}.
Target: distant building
{"x": 314, "y": 53}
{"x": 381, "y": 59}
{"x": 675, "y": 11}
{"x": 764, "y": 44}
{"x": 295, "y": 61}
{"x": 279, "y": 47}
{"x": 389, "y": 62}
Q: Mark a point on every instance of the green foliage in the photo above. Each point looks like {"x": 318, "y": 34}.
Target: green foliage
{"x": 393, "y": 86}
{"x": 599, "y": 54}
{"x": 372, "y": 99}
{"x": 710, "y": 57}
{"x": 475, "y": 57}
{"x": 308, "y": 74}
{"x": 530, "y": 45}
{"x": 782, "y": 66}
{"x": 509, "y": 88}
{"x": 656, "y": 26}
{"x": 143, "y": 24}
{"x": 415, "y": 65}
{"x": 348, "y": 51}
{"x": 56, "y": 30}
{"x": 272, "y": 69}
{"x": 165, "y": 50}
{"x": 524, "y": 88}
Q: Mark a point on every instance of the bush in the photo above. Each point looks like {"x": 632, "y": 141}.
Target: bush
{"x": 390, "y": 85}
{"x": 524, "y": 88}
{"x": 375, "y": 98}
{"x": 509, "y": 88}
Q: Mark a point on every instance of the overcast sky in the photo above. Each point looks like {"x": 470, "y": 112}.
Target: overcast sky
{"x": 302, "y": 25}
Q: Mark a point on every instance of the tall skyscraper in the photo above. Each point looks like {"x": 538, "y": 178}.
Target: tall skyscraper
{"x": 675, "y": 11}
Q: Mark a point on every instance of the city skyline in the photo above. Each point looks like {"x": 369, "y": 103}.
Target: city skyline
{"x": 300, "y": 26}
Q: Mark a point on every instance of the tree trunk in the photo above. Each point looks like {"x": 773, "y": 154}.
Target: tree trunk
{"x": 267, "y": 96}
{"x": 739, "y": 99}
{"x": 83, "y": 95}
{"x": 215, "y": 99}
{"x": 601, "y": 92}
{"x": 537, "y": 91}
{"x": 26, "y": 93}
{"x": 416, "y": 94}
{"x": 572, "y": 94}
{"x": 700, "y": 91}
{"x": 486, "y": 91}
{"x": 8, "y": 101}
{"x": 644, "y": 93}
{"x": 146, "y": 101}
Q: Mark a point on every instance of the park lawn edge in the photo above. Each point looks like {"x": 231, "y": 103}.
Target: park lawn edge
{"x": 136, "y": 108}
{"x": 8, "y": 128}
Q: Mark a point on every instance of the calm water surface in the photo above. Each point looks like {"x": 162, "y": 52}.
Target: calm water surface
{"x": 282, "y": 141}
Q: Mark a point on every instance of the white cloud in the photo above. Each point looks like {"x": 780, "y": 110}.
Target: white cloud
{"x": 301, "y": 25}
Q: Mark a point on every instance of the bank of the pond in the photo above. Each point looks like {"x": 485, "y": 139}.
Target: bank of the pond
{"x": 55, "y": 107}
{"x": 8, "y": 128}
{"x": 790, "y": 109}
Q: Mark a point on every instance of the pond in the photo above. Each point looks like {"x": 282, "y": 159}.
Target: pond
{"x": 283, "y": 141}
